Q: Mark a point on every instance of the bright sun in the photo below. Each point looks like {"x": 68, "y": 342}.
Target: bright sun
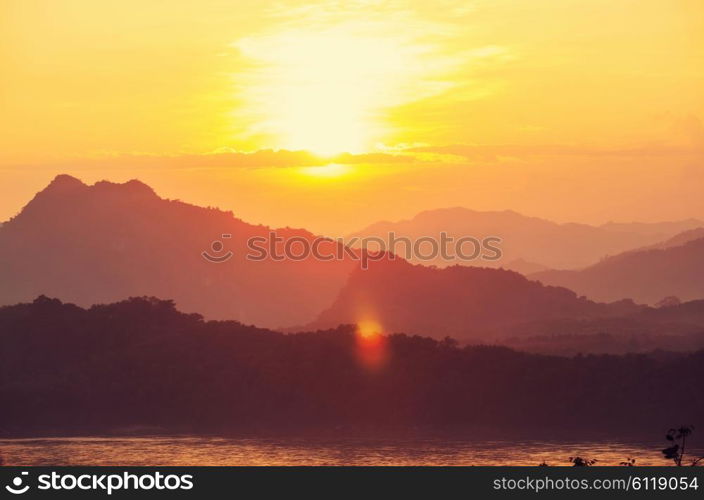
{"x": 330, "y": 171}
{"x": 325, "y": 91}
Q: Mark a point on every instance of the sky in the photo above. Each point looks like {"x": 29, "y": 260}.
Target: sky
{"x": 331, "y": 115}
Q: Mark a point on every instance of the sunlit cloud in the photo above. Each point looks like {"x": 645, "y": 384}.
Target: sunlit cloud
{"x": 331, "y": 88}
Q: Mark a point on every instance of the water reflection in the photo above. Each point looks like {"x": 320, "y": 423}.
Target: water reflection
{"x": 179, "y": 450}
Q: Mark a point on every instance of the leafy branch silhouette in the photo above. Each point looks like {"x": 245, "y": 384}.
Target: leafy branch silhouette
{"x": 582, "y": 462}
{"x": 678, "y": 438}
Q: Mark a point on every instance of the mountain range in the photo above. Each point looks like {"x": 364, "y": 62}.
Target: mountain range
{"x": 101, "y": 243}
{"x": 528, "y": 244}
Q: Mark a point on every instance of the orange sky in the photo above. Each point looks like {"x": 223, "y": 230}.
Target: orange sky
{"x": 573, "y": 110}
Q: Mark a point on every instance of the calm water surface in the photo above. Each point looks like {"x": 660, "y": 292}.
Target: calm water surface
{"x": 180, "y": 450}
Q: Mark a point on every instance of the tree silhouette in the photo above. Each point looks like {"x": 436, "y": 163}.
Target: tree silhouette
{"x": 678, "y": 438}
{"x": 141, "y": 362}
{"x": 582, "y": 462}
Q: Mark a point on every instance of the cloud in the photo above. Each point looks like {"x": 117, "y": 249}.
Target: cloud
{"x": 227, "y": 159}
{"x": 453, "y": 154}
{"x": 496, "y": 152}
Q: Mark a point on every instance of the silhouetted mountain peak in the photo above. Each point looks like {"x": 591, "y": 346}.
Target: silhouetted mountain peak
{"x": 100, "y": 243}
{"x": 132, "y": 188}
{"x": 67, "y": 193}
{"x": 61, "y": 187}
{"x": 64, "y": 184}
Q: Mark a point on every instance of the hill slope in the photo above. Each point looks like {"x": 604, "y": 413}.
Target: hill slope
{"x": 463, "y": 302}
{"x": 646, "y": 276}
{"x": 142, "y": 363}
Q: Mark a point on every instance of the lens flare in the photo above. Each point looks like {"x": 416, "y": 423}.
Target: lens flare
{"x": 372, "y": 349}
